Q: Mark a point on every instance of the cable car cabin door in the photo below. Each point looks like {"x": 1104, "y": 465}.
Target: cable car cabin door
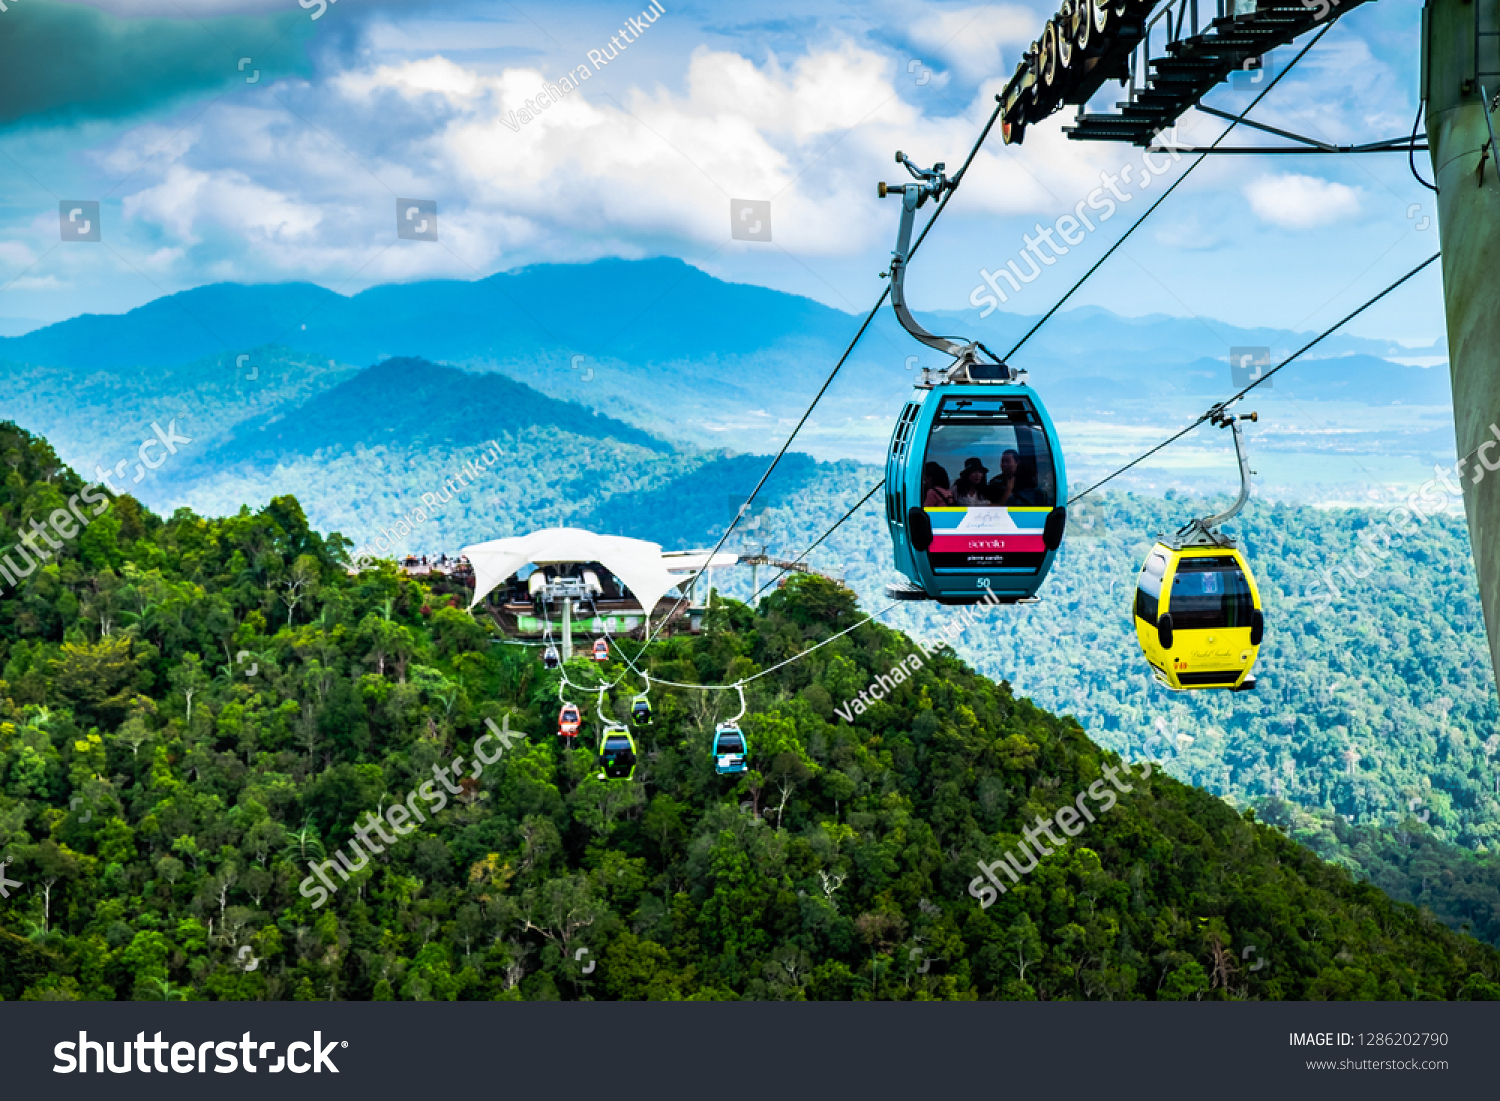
{"x": 1211, "y": 597}
{"x": 980, "y": 473}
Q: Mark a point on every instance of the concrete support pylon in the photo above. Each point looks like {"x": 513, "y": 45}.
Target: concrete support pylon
{"x": 1460, "y": 67}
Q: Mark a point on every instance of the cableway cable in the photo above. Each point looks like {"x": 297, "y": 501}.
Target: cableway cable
{"x": 1223, "y": 405}
{"x": 648, "y": 677}
{"x": 870, "y": 317}
{"x": 1219, "y": 407}
{"x": 942, "y": 204}
{"x": 1186, "y": 173}
{"x": 1058, "y": 305}
{"x": 836, "y": 525}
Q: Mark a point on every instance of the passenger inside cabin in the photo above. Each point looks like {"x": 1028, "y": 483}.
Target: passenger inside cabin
{"x": 1017, "y": 485}
{"x": 971, "y": 490}
{"x": 1027, "y": 491}
{"x": 1002, "y": 487}
{"x": 935, "y": 491}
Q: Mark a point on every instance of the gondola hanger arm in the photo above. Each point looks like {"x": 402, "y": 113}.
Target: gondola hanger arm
{"x": 1205, "y": 527}
{"x": 930, "y": 184}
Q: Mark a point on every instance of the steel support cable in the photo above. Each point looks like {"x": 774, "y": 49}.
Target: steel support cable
{"x": 1225, "y": 404}
{"x": 836, "y": 525}
{"x": 646, "y": 676}
{"x": 1171, "y": 188}
{"x": 884, "y": 294}
{"x": 767, "y": 672}
{"x": 1134, "y": 462}
{"x": 587, "y": 687}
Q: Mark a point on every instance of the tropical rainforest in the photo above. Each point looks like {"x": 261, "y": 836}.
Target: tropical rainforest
{"x": 194, "y": 712}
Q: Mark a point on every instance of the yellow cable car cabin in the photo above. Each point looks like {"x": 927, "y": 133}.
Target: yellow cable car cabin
{"x": 1198, "y": 616}
{"x": 1197, "y": 610}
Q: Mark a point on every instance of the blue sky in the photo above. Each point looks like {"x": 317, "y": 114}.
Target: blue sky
{"x": 205, "y": 176}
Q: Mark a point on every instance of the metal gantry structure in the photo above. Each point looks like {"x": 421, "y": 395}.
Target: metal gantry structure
{"x": 1166, "y": 57}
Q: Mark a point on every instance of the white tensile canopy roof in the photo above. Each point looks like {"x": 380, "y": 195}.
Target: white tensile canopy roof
{"x": 634, "y": 561}
{"x": 693, "y": 561}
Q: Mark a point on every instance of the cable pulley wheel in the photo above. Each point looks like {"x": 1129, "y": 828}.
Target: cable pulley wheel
{"x": 1083, "y": 25}
{"x": 1048, "y": 58}
{"x": 1101, "y": 14}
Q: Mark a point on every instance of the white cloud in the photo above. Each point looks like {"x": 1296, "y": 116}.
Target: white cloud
{"x": 308, "y": 177}
{"x": 1293, "y": 201}
{"x": 973, "y": 40}
{"x": 146, "y": 144}
{"x": 36, "y": 283}
{"x": 15, "y": 255}
{"x": 414, "y": 78}
{"x": 187, "y": 198}
{"x": 305, "y": 181}
{"x": 1188, "y": 233}
{"x": 626, "y": 172}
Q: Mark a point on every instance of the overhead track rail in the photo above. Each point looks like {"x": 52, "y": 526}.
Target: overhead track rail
{"x": 1168, "y": 56}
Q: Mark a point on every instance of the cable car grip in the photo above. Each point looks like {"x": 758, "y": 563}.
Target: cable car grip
{"x": 1201, "y": 532}
{"x": 932, "y": 183}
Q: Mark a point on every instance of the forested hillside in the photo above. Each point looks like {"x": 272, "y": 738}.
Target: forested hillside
{"x": 1375, "y": 725}
{"x": 193, "y": 711}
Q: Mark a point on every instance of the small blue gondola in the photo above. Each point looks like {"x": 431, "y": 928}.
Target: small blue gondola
{"x": 731, "y": 750}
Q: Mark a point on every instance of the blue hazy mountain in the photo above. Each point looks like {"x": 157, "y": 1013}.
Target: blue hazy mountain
{"x": 418, "y": 405}
{"x": 640, "y": 311}
{"x": 649, "y": 309}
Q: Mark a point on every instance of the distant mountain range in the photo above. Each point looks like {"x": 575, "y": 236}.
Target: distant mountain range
{"x": 620, "y": 392}
{"x": 673, "y": 352}
{"x": 639, "y": 311}
{"x": 648, "y": 310}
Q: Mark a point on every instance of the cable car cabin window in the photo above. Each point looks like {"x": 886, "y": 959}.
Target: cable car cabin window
{"x": 1208, "y": 593}
{"x": 731, "y": 744}
{"x": 1148, "y": 588}
{"x": 987, "y": 454}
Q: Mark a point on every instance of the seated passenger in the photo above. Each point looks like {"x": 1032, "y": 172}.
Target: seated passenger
{"x": 1046, "y": 487}
{"x": 1027, "y": 492}
{"x": 1021, "y": 491}
{"x": 1002, "y": 487}
{"x": 970, "y": 490}
{"x": 935, "y": 491}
